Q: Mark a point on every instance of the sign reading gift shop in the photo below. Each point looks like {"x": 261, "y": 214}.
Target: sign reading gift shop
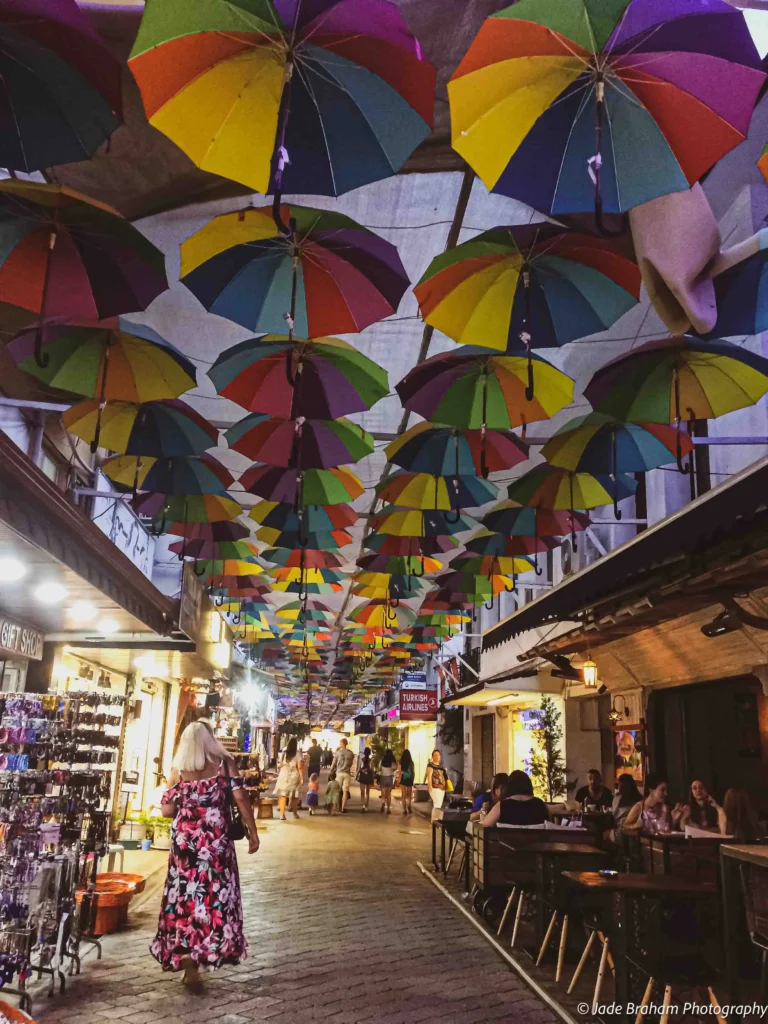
{"x": 417, "y": 705}
{"x": 20, "y": 641}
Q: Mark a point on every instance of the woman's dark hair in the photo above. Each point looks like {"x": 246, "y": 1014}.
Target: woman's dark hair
{"x": 290, "y": 750}
{"x": 389, "y": 759}
{"x": 703, "y": 816}
{"x": 518, "y": 784}
{"x": 367, "y": 754}
{"x": 653, "y": 780}
{"x": 629, "y": 794}
{"x": 499, "y": 781}
{"x": 740, "y": 818}
{"x": 406, "y": 761}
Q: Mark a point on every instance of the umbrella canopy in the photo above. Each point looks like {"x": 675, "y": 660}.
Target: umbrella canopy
{"x": 527, "y": 286}
{"x": 422, "y": 491}
{"x": 559, "y": 489}
{"x": 311, "y": 486}
{"x": 382, "y": 614}
{"x": 425, "y": 448}
{"x": 491, "y": 565}
{"x": 61, "y": 93}
{"x": 187, "y": 475}
{"x": 418, "y": 523}
{"x": 407, "y": 565}
{"x": 200, "y": 548}
{"x": 487, "y": 543}
{"x": 290, "y": 574}
{"x": 740, "y": 290}
{"x": 306, "y": 588}
{"x": 161, "y": 429}
{"x": 209, "y": 532}
{"x": 64, "y": 255}
{"x": 315, "y": 98}
{"x": 320, "y": 540}
{"x": 310, "y": 611}
{"x": 574, "y": 107}
{"x": 676, "y": 379}
{"x": 302, "y": 557}
{"x": 387, "y": 544}
{"x": 180, "y": 509}
{"x": 322, "y": 379}
{"x": 512, "y": 519}
{"x": 471, "y": 388}
{"x": 284, "y": 516}
{"x": 330, "y": 274}
{"x": 311, "y": 444}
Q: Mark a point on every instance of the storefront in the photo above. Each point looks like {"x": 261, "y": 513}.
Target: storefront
{"x": 19, "y": 645}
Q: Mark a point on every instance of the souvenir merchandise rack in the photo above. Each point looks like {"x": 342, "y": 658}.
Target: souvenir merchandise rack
{"x": 57, "y": 756}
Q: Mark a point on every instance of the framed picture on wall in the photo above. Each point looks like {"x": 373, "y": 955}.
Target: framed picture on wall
{"x": 629, "y": 753}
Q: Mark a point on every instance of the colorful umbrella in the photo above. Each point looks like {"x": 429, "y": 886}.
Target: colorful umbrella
{"x": 471, "y": 389}
{"x": 422, "y": 491}
{"x": 395, "y": 588}
{"x": 407, "y": 565}
{"x": 512, "y": 519}
{"x": 311, "y": 444}
{"x": 61, "y": 90}
{"x": 187, "y": 475}
{"x": 313, "y": 611}
{"x": 418, "y": 523}
{"x": 306, "y": 487}
{"x": 740, "y": 291}
{"x": 162, "y": 429}
{"x": 323, "y": 379}
{"x": 200, "y": 548}
{"x": 214, "y": 532}
{"x": 288, "y": 574}
{"x": 527, "y": 286}
{"x": 485, "y": 542}
{"x": 185, "y": 508}
{"x": 573, "y": 107}
{"x": 317, "y": 97}
{"x": 386, "y": 544}
{"x": 283, "y": 516}
{"x": 425, "y": 448}
{"x": 382, "y": 614}
{"x": 227, "y": 567}
{"x": 321, "y": 540}
{"x": 597, "y": 443}
{"x": 330, "y": 275}
{"x": 303, "y": 588}
{"x": 301, "y": 557}
{"x": 491, "y": 565}
{"x": 66, "y": 256}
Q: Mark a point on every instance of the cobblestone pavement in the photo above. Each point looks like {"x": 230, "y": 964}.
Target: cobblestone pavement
{"x": 342, "y": 927}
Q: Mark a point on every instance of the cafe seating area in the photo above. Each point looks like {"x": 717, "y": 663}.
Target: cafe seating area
{"x": 647, "y": 923}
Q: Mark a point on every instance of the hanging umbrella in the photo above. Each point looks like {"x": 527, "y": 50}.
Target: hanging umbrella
{"x": 236, "y": 583}
{"x": 323, "y": 379}
{"x": 677, "y": 379}
{"x": 241, "y": 611}
{"x": 289, "y": 574}
{"x": 310, "y": 444}
{"x": 314, "y": 610}
{"x": 425, "y": 448}
{"x": 527, "y": 286}
{"x": 284, "y": 516}
{"x": 307, "y": 588}
{"x": 226, "y": 567}
{"x": 307, "y": 487}
{"x": 511, "y": 519}
{"x": 321, "y": 540}
{"x": 387, "y": 544}
{"x": 112, "y": 360}
{"x": 418, "y": 523}
{"x": 573, "y": 107}
{"x": 382, "y": 614}
{"x": 309, "y": 96}
{"x": 422, "y": 491}
{"x": 407, "y": 565}
{"x": 398, "y": 588}
{"x": 491, "y": 565}
{"x": 597, "y": 443}
{"x": 61, "y": 93}
{"x": 190, "y": 474}
{"x": 213, "y": 532}
{"x": 740, "y": 290}
{"x": 471, "y": 388}
{"x": 330, "y": 275}
{"x": 200, "y": 548}
{"x": 298, "y": 557}
{"x": 484, "y": 542}
{"x": 160, "y": 429}
{"x": 175, "y": 510}
{"x": 66, "y": 256}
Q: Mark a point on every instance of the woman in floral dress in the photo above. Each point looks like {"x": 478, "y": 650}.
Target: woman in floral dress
{"x": 201, "y": 918}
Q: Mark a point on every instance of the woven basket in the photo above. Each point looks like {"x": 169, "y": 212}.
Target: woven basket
{"x": 135, "y": 883}
{"x": 14, "y": 1014}
{"x": 108, "y": 894}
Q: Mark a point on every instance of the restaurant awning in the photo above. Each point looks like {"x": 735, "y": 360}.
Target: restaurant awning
{"x": 676, "y": 547}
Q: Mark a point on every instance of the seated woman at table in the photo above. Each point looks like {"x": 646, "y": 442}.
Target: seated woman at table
{"x": 519, "y": 806}
{"x": 654, "y": 813}
{"x": 485, "y": 801}
{"x": 627, "y": 796}
{"x": 702, "y": 810}
{"x": 740, "y": 817}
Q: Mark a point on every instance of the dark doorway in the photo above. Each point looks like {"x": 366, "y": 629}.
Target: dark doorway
{"x": 487, "y": 759}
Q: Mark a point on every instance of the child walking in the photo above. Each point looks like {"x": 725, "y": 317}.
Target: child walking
{"x": 332, "y": 793}
{"x": 313, "y": 792}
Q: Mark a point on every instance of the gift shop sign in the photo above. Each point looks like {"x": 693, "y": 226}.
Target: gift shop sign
{"x": 418, "y": 705}
{"x": 16, "y": 639}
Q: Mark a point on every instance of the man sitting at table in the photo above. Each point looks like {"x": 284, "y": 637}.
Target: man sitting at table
{"x": 520, "y": 806}
{"x": 483, "y": 802}
{"x": 594, "y": 796}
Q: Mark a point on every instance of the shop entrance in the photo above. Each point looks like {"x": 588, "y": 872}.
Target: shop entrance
{"x": 483, "y": 741}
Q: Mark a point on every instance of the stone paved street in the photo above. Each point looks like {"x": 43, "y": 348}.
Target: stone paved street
{"x": 342, "y": 926}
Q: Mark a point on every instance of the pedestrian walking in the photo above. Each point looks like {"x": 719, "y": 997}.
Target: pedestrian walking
{"x": 332, "y": 793}
{"x": 201, "y": 916}
{"x": 342, "y": 765}
{"x": 313, "y": 792}
{"x": 437, "y": 783}
{"x": 289, "y": 778}
{"x": 365, "y": 779}
{"x": 407, "y": 780}
{"x": 314, "y": 759}
{"x": 387, "y": 780}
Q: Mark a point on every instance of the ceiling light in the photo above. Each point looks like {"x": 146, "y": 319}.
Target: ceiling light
{"x": 146, "y": 662}
{"x": 589, "y": 671}
{"x": 11, "y": 569}
{"x": 81, "y": 611}
{"x": 108, "y": 626}
{"x": 50, "y": 593}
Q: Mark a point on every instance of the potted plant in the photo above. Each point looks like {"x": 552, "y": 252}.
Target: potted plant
{"x": 162, "y": 833}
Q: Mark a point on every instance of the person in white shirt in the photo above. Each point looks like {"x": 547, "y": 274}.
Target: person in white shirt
{"x": 342, "y": 765}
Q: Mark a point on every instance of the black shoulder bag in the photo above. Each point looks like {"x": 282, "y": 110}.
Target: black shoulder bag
{"x": 236, "y": 828}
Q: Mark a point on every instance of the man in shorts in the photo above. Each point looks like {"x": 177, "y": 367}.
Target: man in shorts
{"x": 342, "y": 765}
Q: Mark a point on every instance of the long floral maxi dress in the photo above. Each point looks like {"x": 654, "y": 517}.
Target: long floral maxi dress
{"x": 202, "y": 913}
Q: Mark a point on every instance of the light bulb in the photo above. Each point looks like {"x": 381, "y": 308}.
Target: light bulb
{"x": 11, "y": 569}
{"x": 50, "y": 593}
{"x": 82, "y": 611}
{"x": 107, "y": 626}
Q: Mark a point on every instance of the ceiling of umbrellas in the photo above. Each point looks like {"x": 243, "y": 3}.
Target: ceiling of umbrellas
{"x": 570, "y": 107}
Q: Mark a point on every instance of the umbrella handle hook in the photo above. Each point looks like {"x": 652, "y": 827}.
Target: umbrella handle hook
{"x": 452, "y": 518}
{"x": 218, "y": 600}
{"x": 158, "y": 531}
{"x": 615, "y": 454}
{"x": 198, "y": 574}
{"x": 489, "y": 605}
{"x": 417, "y": 575}
{"x": 595, "y": 164}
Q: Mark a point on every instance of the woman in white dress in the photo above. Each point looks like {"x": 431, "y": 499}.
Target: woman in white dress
{"x": 289, "y": 778}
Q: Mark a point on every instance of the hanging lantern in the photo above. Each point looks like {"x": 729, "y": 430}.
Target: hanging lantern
{"x": 589, "y": 671}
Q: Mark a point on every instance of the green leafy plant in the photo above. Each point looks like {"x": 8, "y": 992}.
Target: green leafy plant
{"x": 545, "y": 764}
{"x": 392, "y": 738}
{"x": 451, "y": 731}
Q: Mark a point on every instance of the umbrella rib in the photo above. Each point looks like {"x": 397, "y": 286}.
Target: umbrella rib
{"x": 311, "y": 92}
{"x": 582, "y": 106}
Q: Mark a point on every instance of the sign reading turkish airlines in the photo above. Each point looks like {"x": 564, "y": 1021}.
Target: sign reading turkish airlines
{"x": 17, "y": 639}
{"x": 418, "y": 705}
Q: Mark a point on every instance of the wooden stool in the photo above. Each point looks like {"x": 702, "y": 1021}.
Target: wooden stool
{"x": 605, "y": 958}
{"x": 265, "y": 808}
{"x": 563, "y": 942}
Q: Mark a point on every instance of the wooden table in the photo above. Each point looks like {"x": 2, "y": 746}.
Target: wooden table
{"x": 622, "y": 889}
{"x": 732, "y": 856}
{"x": 670, "y": 842}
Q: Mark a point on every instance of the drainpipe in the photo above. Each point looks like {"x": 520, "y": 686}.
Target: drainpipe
{"x": 35, "y": 446}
